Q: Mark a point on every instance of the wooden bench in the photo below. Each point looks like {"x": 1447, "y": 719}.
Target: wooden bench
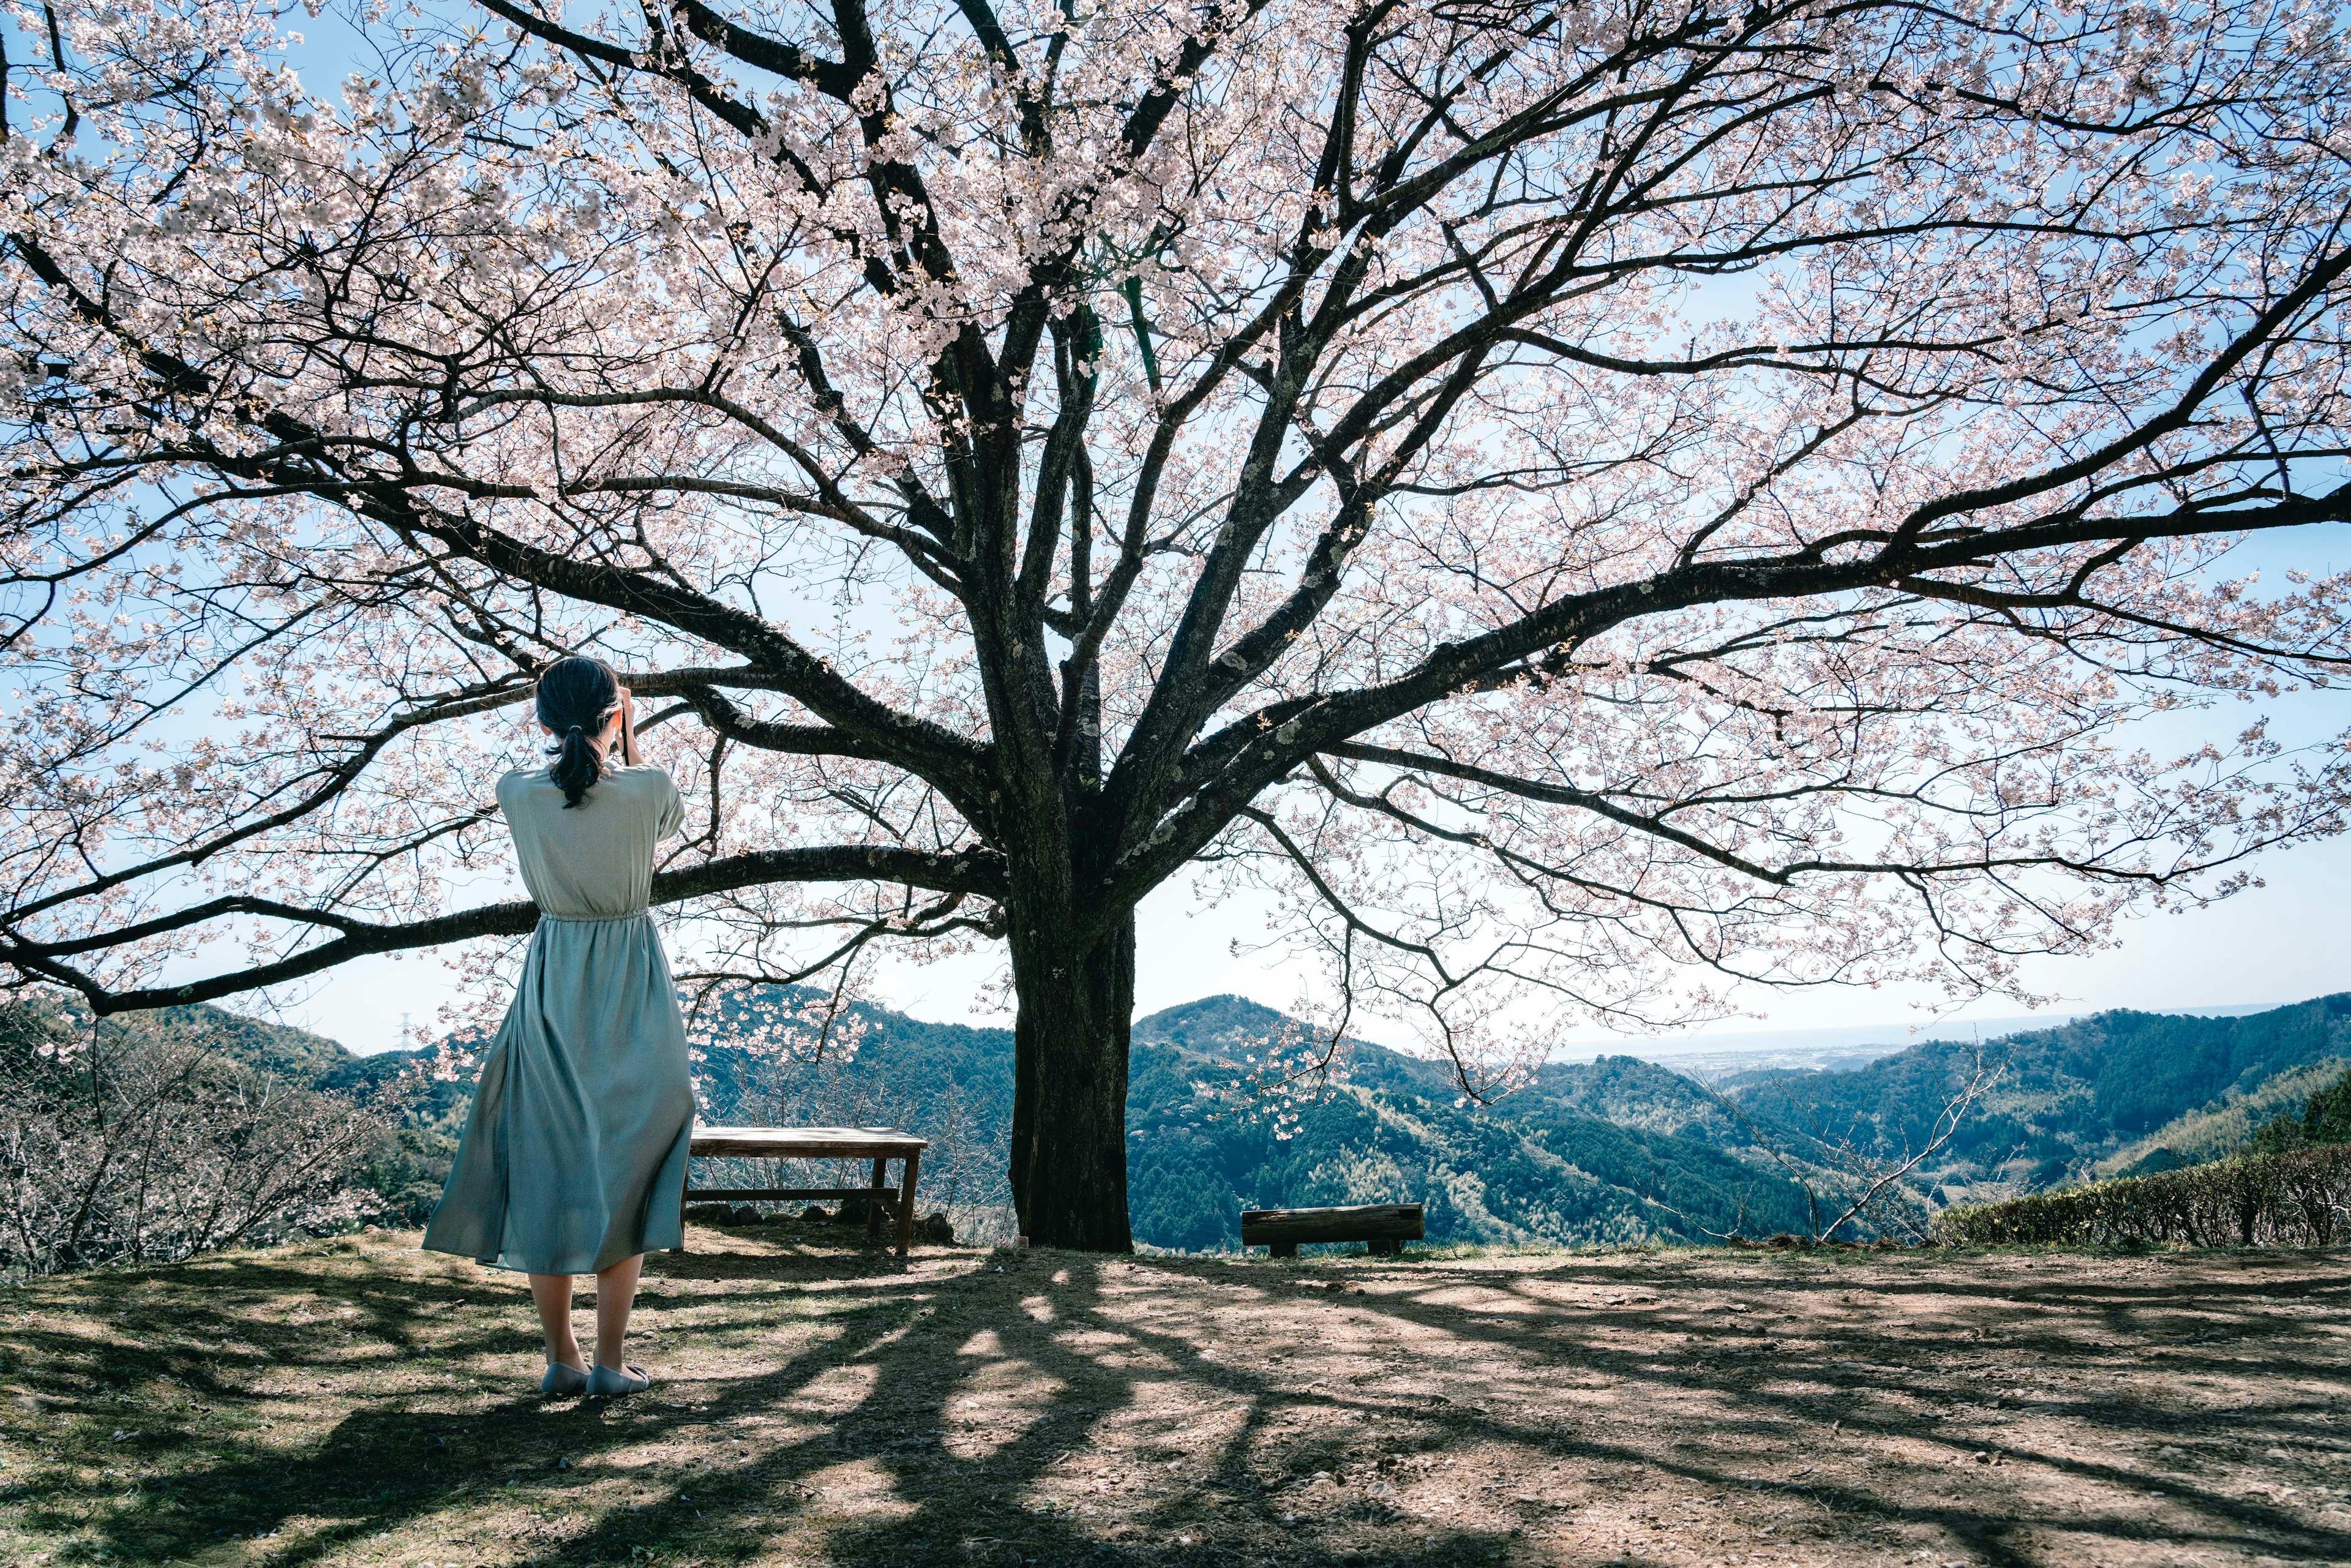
{"x": 1385, "y": 1226}
{"x": 878, "y": 1144}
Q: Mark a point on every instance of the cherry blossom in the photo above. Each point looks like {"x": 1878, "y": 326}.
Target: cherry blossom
{"x": 1595, "y": 507}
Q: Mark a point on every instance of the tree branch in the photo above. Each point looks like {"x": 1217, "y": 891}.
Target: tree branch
{"x": 978, "y": 872}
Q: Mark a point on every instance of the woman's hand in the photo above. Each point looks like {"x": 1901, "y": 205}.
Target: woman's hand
{"x": 627, "y": 719}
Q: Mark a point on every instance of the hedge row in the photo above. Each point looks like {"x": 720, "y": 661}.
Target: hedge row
{"x": 2301, "y": 1198}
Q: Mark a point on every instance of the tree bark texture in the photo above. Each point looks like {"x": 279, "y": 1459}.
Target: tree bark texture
{"x": 1076, "y": 1008}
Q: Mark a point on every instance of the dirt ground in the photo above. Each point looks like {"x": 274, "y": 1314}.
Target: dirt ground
{"x": 359, "y": 1402}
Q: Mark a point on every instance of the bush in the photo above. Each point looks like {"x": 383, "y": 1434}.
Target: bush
{"x": 138, "y": 1140}
{"x": 2298, "y": 1198}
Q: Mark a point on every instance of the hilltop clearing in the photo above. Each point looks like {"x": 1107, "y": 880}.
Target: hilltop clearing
{"x": 357, "y": 1402}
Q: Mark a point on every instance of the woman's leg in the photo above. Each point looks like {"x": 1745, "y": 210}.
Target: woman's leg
{"x": 551, "y": 1293}
{"x": 616, "y": 1292}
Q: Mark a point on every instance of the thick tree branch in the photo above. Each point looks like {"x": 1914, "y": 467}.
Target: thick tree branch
{"x": 977, "y": 872}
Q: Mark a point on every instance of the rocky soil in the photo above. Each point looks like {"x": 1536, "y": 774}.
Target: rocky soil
{"x": 817, "y": 1403}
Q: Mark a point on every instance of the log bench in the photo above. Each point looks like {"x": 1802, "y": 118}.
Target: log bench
{"x": 1385, "y": 1226}
{"x": 878, "y": 1144}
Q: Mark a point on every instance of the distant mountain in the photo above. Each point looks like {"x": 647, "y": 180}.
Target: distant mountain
{"x": 1200, "y": 1149}
{"x": 1613, "y": 1150}
{"x": 2068, "y": 1099}
{"x": 1556, "y": 1167}
{"x": 295, "y": 1055}
{"x": 1548, "y": 1164}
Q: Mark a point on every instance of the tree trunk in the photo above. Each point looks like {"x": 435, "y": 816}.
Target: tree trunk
{"x": 1076, "y": 1005}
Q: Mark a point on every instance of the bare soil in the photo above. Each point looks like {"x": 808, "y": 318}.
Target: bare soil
{"x": 817, "y": 1403}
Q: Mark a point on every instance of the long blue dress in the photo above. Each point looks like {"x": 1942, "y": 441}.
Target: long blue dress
{"x": 574, "y": 1157}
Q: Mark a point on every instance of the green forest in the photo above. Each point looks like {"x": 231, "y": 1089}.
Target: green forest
{"x": 1616, "y": 1150}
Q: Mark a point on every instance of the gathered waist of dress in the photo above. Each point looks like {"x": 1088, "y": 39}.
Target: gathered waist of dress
{"x": 544, "y": 917}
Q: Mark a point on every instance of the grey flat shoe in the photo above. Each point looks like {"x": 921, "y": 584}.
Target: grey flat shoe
{"x": 562, "y": 1382}
{"x": 615, "y": 1381}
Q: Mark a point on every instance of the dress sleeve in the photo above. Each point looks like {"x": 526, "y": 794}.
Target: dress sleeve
{"x": 669, "y": 814}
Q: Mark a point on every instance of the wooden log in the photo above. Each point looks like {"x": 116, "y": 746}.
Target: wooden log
{"x": 1284, "y": 1228}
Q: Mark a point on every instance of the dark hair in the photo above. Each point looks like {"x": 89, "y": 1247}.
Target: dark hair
{"x": 576, "y": 697}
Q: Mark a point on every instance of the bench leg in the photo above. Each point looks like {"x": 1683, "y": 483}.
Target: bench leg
{"x": 873, "y": 1206}
{"x": 1283, "y": 1248}
{"x": 1386, "y": 1247}
{"x": 907, "y": 1167}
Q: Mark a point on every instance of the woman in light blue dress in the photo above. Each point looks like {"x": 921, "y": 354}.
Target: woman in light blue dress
{"x": 573, "y": 1160}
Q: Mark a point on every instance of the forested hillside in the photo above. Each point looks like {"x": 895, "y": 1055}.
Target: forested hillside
{"x": 1617, "y": 1149}
{"x": 2067, "y": 1100}
{"x": 1549, "y": 1165}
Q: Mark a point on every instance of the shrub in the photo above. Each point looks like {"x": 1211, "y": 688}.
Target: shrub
{"x": 2298, "y": 1198}
{"x": 140, "y": 1141}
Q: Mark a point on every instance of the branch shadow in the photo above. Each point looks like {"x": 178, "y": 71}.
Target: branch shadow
{"x": 1997, "y": 1531}
{"x": 891, "y": 1475}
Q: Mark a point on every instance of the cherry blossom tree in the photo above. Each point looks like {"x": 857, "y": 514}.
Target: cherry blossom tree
{"x": 1596, "y": 504}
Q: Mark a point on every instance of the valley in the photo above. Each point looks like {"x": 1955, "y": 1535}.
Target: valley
{"x": 1611, "y": 1152}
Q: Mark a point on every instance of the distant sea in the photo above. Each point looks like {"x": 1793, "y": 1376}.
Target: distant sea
{"x": 1842, "y": 1048}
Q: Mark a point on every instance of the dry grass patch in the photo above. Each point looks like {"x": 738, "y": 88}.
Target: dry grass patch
{"x": 819, "y": 1404}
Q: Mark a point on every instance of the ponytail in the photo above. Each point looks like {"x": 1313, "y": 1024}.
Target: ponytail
{"x": 576, "y": 698}
{"x": 576, "y": 765}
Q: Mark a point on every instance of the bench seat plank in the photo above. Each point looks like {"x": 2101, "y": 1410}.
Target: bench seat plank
{"x": 803, "y": 1144}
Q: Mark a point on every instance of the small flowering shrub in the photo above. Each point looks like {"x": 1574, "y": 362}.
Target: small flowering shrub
{"x": 127, "y": 1142}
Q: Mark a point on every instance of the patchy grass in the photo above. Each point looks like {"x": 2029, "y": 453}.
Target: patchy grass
{"x": 359, "y": 1402}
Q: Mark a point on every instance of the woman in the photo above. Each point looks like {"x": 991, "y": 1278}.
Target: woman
{"x": 573, "y": 1160}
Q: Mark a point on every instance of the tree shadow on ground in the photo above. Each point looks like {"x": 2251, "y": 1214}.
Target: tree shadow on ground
{"x": 395, "y": 1462}
{"x": 883, "y": 1467}
{"x": 1925, "y": 1366}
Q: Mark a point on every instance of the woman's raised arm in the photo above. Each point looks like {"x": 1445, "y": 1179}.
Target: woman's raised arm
{"x": 628, "y": 729}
